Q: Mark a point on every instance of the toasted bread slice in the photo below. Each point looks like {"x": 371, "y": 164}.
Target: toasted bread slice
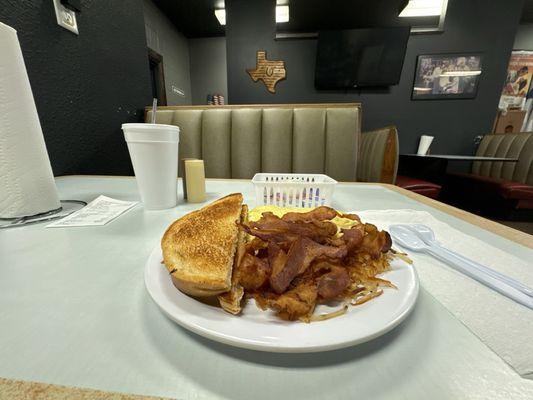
{"x": 231, "y": 301}
{"x": 199, "y": 248}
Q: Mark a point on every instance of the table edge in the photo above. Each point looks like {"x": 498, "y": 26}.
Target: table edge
{"x": 506, "y": 232}
{"x": 452, "y": 157}
{"x": 15, "y": 389}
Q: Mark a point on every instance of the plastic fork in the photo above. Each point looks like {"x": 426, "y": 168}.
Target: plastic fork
{"x": 408, "y": 239}
{"x": 428, "y": 236}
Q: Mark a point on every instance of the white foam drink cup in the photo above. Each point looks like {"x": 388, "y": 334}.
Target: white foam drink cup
{"x": 423, "y": 146}
{"x": 153, "y": 151}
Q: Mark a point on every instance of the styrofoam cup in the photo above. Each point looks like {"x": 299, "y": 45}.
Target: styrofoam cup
{"x": 153, "y": 151}
{"x": 423, "y": 146}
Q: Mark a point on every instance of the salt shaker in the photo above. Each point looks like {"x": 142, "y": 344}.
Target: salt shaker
{"x": 195, "y": 180}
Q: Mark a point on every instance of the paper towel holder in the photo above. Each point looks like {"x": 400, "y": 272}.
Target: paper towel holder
{"x": 67, "y": 207}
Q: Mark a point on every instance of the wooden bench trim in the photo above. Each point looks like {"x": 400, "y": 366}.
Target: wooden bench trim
{"x": 240, "y": 106}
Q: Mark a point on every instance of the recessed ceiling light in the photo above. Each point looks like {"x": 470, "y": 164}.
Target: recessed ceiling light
{"x": 282, "y": 14}
{"x": 221, "y": 16}
{"x": 422, "y": 8}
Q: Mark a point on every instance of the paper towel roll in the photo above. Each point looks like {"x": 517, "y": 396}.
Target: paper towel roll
{"x": 26, "y": 180}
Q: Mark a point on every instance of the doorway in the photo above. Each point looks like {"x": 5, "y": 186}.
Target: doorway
{"x": 157, "y": 77}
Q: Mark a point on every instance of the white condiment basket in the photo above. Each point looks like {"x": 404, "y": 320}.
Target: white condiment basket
{"x": 293, "y": 190}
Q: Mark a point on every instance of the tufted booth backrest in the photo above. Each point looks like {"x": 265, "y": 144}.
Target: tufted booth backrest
{"x": 378, "y": 158}
{"x": 512, "y": 145}
{"x": 239, "y": 141}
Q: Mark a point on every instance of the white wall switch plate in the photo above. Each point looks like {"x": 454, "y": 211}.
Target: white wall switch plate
{"x": 65, "y": 17}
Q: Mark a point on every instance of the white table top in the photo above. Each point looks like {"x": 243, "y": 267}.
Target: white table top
{"x": 463, "y": 158}
{"x": 74, "y": 311}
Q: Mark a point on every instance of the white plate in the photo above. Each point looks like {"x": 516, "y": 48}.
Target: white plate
{"x": 262, "y": 330}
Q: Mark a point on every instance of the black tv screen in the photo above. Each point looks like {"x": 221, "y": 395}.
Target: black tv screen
{"x": 360, "y": 57}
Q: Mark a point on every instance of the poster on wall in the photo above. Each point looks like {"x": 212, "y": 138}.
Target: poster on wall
{"x": 518, "y": 80}
{"x": 447, "y": 76}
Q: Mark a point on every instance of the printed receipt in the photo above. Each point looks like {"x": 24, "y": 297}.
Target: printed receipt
{"x": 98, "y": 212}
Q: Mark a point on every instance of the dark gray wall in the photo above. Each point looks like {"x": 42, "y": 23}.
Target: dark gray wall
{"x": 524, "y": 37}
{"x": 471, "y": 26}
{"x": 208, "y": 68}
{"x": 84, "y": 86}
{"x": 164, "y": 38}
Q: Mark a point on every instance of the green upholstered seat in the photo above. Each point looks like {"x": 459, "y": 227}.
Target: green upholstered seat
{"x": 510, "y": 145}
{"x": 378, "y": 156}
{"x": 239, "y": 141}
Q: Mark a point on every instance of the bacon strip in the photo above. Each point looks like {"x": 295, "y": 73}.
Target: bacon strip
{"x": 296, "y": 303}
{"x": 387, "y": 245}
{"x": 252, "y": 272}
{"x": 353, "y": 237}
{"x": 318, "y": 214}
{"x": 353, "y": 217}
{"x": 375, "y": 241}
{"x": 299, "y": 260}
{"x": 277, "y": 258}
{"x": 301, "y": 254}
{"x": 278, "y": 236}
{"x": 332, "y": 284}
{"x": 271, "y": 226}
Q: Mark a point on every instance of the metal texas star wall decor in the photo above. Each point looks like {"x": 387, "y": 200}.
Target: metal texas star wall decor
{"x": 270, "y": 72}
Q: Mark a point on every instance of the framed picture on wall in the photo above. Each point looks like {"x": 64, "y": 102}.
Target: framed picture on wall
{"x": 447, "y": 76}
{"x": 518, "y": 81}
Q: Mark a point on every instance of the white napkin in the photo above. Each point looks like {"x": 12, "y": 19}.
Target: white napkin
{"x": 423, "y": 145}
{"x": 26, "y": 181}
{"x": 503, "y": 325}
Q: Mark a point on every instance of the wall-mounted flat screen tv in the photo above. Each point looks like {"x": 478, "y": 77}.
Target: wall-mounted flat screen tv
{"x": 360, "y": 57}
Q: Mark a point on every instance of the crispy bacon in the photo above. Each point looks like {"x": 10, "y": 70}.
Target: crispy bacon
{"x": 270, "y": 227}
{"x": 332, "y": 284}
{"x": 300, "y": 256}
{"x": 296, "y": 303}
{"x": 318, "y": 214}
{"x": 387, "y": 244}
{"x": 353, "y": 217}
{"x": 353, "y": 237}
{"x": 277, "y": 258}
{"x": 255, "y": 245}
{"x": 300, "y": 260}
{"x": 252, "y": 272}
{"x": 375, "y": 241}
{"x": 278, "y": 236}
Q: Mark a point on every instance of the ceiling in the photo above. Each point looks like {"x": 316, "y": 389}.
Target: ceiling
{"x": 195, "y": 18}
{"x": 315, "y": 15}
